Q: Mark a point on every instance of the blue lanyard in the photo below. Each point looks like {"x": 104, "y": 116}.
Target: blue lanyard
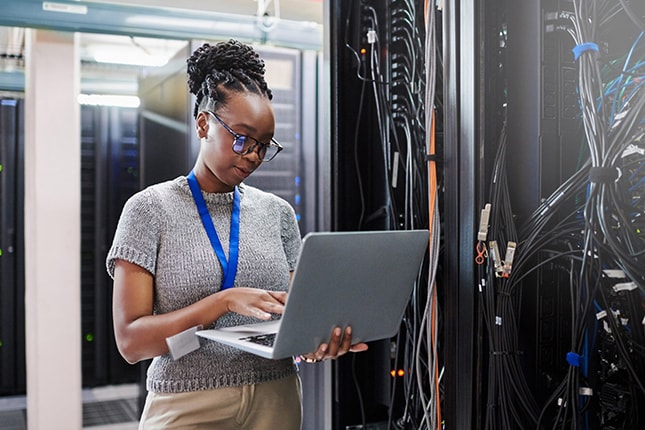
{"x": 229, "y": 268}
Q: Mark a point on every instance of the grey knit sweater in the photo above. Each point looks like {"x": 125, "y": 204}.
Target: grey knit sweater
{"x": 161, "y": 231}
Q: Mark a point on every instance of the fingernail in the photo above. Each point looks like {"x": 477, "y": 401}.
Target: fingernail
{"x": 337, "y": 331}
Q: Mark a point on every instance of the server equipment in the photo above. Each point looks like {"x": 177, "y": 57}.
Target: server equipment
{"x": 12, "y": 278}
{"x": 109, "y": 176}
{"x": 384, "y": 58}
{"x": 541, "y": 107}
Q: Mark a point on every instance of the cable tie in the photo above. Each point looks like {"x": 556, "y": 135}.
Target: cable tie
{"x": 578, "y": 50}
{"x": 432, "y": 157}
{"x": 574, "y": 359}
{"x": 504, "y": 293}
{"x": 498, "y": 320}
{"x": 604, "y": 175}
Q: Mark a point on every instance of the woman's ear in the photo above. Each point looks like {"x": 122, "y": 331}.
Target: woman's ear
{"x": 201, "y": 125}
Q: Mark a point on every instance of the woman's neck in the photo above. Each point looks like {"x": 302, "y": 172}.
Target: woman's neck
{"x": 208, "y": 181}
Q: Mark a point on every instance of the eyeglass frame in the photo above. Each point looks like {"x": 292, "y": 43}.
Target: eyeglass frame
{"x": 251, "y": 148}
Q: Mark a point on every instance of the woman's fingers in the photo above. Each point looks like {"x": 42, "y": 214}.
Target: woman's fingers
{"x": 255, "y": 303}
{"x": 339, "y": 344}
{"x": 280, "y": 296}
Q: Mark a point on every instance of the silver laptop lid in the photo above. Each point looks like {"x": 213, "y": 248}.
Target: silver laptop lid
{"x": 363, "y": 279}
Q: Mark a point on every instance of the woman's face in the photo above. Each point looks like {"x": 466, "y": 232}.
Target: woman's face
{"x": 218, "y": 168}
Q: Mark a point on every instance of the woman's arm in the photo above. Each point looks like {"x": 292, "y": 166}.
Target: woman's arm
{"x": 141, "y": 335}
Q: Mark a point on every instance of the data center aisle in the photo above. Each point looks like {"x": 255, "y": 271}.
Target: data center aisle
{"x": 104, "y": 408}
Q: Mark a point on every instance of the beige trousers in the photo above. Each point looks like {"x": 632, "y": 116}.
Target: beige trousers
{"x": 268, "y": 406}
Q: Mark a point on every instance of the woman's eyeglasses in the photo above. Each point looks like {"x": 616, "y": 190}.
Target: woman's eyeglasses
{"x": 244, "y": 145}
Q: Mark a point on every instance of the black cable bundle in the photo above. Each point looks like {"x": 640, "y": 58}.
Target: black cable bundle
{"x": 588, "y": 235}
{"x": 397, "y": 76}
{"x": 510, "y": 404}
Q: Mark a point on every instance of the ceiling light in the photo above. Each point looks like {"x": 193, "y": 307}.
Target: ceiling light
{"x": 109, "y": 100}
{"x": 123, "y": 56}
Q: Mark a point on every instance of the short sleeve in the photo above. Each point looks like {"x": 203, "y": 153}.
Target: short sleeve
{"x": 137, "y": 235}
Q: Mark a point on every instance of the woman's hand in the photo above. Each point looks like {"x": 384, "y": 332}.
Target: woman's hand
{"x": 338, "y": 345}
{"x": 253, "y": 302}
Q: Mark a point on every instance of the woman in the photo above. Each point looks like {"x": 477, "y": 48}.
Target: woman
{"x": 175, "y": 270}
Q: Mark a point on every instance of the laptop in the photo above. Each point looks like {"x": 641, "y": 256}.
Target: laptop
{"x": 363, "y": 279}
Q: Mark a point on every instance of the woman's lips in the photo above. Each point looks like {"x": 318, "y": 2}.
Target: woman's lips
{"x": 243, "y": 173}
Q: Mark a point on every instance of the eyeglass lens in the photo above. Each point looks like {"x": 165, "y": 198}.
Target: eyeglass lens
{"x": 245, "y": 145}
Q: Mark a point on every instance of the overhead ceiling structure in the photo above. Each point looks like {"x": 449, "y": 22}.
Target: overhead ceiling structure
{"x": 292, "y": 10}
{"x": 118, "y": 37}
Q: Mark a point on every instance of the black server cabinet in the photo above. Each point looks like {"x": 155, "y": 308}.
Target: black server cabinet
{"x": 109, "y": 176}
{"x": 567, "y": 352}
{"x": 168, "y": 146}
{"x": 544, "y": 144}
{"x": 379, "y": 182}
{"x": 360, "y": 191}
{"x": 361, "y": 383}
{"x": 12, "y": 282}
{"x": 285, "y": 175}
{"x": 514, "y": 133}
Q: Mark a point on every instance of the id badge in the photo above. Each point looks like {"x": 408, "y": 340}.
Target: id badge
{"x": 183, "y": 343}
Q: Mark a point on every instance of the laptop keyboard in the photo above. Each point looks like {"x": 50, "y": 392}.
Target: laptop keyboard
{"x": 261, "y": 339}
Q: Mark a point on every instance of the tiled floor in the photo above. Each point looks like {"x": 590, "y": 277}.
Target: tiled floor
{"x": 104, "y": 408}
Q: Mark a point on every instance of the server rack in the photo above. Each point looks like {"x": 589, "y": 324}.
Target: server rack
{"x": 109, "y": 176}
{"x": 12, "y": 281}
{"x": 548, "y": 346}
{"x": 380, "y": 182}
{"x": 517, "y": 117}
{"x": 109, "y": 170}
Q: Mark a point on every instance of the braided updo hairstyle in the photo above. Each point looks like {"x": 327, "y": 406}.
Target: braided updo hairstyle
{"x": 216, "y": 70}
